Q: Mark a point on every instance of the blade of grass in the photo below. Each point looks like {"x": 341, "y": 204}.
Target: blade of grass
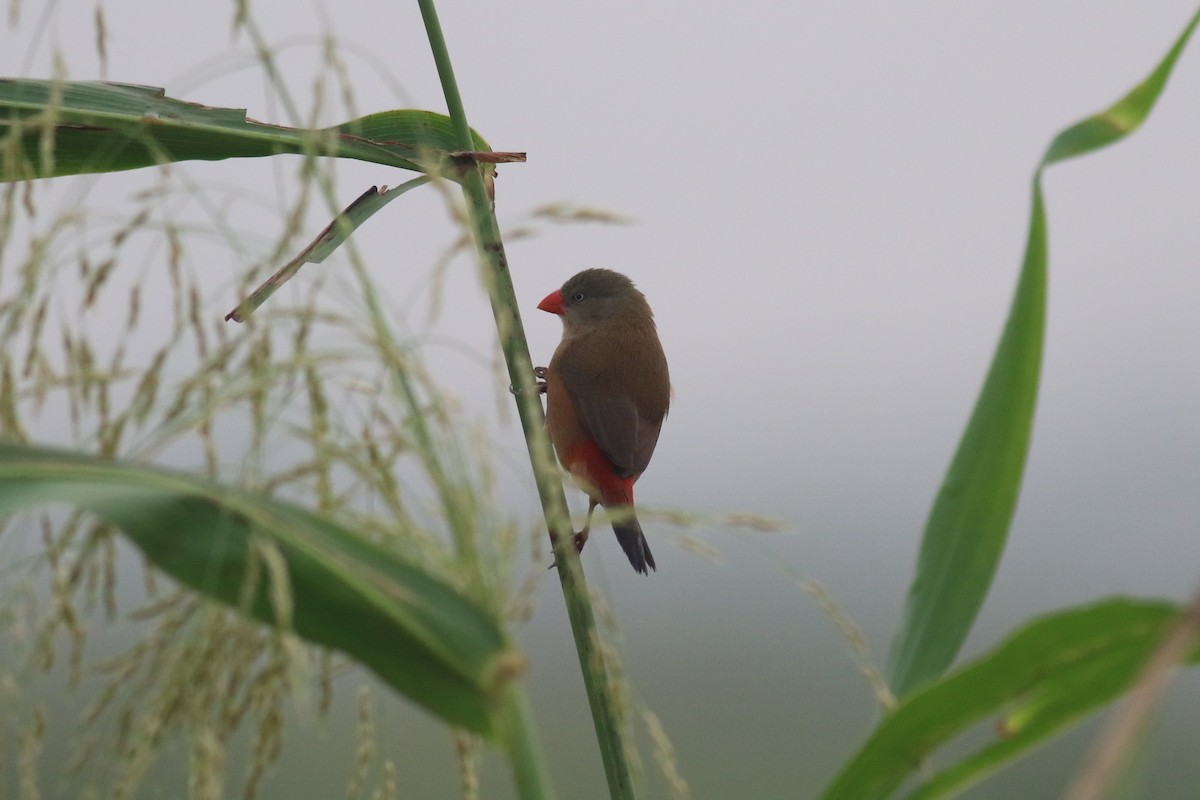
{"x": 968, "y": 524}
{"x": 1042, "y": 679}
{"x": 328, "y": 240}
{"x": 1114, "y": 747}
{"x": 419, "y": 634}
{"x": 53, "y": 128}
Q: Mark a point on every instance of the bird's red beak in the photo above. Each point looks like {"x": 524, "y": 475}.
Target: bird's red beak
{"x": 553, "y": 303}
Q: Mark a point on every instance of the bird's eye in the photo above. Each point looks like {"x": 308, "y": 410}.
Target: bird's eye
{"x": 577, "y": 297}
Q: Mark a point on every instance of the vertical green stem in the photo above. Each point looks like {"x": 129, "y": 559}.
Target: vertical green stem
{"x": 524, "y": 748}
{"x": 494, "y": 269}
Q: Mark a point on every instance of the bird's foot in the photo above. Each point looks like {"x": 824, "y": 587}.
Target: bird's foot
{"x": 539, "y": 387}
{"x": 580, "y": 539}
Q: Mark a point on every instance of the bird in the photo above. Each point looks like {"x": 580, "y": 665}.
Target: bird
{"x": 607, "y": 390}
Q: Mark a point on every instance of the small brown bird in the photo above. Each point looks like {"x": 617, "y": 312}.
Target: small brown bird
{"x": 607, "y": 392}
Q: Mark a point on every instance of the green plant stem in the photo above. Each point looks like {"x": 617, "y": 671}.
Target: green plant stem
{"x": 524, "y": 751}
{"x": 610, "y": 733}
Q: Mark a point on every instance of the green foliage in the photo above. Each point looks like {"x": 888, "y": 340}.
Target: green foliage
{"x": 968, "y": 525}
{"x": 53, "y": 128}
{"x": 335, "y": 234}
{"x": 1043, "y": 678}
{"x": 291, "y": 568}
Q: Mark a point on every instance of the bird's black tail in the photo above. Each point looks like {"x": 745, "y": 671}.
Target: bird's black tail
{"x": 633, "y": 542}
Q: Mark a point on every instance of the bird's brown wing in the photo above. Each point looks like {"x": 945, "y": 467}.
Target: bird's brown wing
{"x": 625, "y": 424}
{"x": 624, "y": 436}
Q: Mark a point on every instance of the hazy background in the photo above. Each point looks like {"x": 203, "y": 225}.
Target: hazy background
{"x": 829, "y": 203}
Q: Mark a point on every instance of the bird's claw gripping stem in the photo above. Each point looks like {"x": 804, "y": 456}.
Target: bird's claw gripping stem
{"x": 580, "y": 540}
{"x": 539, "y": 387}
{"x": 581, "y": 537}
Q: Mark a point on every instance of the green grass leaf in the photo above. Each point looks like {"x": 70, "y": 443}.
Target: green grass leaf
{"x": 411, "y": 628}
{"x": 1042, "y": 679}
{"x": 968, "y": 524}
{"x": 335, "y": 234}
{"x": 51, "y": 128}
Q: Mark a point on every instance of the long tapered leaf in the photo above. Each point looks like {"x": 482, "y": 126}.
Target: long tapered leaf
{"x": 1042, "y": 679}
{"x": 50, "y": 128}
{"x": 968, "y": 524}
{"x": 328, "y": 240}
{"x": 411, "y": 628}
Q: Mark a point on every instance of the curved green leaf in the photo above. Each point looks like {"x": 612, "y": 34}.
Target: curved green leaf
{"x": 968, "y": 524}
{"x": 412, "y": 629}
{"x": 1042, "y": 679}
{"x": 51, "y": 128}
